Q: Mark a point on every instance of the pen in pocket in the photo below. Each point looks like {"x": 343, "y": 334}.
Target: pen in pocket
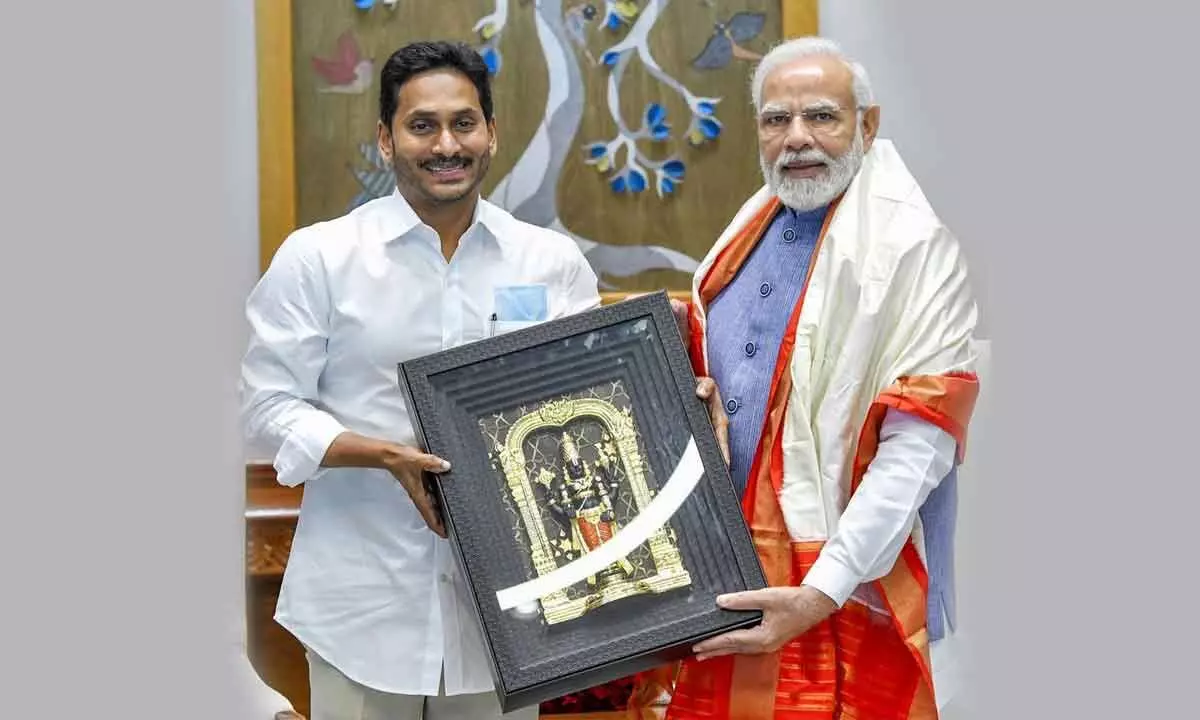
{"x": 492, "y": 325}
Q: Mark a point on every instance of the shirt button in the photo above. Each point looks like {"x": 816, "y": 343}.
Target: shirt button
{"x": 789, "y": 235}
{"x": 764, "y": 289}
{"x": 731, "y": 406}
{"x": 750, "y": 349}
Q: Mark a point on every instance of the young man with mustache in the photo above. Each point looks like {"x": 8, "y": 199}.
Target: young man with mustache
{"x": 834, "y": 314}
{"x": 370, "y": 588}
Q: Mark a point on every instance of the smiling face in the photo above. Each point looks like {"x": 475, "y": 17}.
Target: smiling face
{"x": 811, "y": 143}
{"x": 439, "y": 144}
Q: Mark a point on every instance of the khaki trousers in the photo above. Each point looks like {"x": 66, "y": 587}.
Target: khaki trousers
{"x": 333, "y": 696}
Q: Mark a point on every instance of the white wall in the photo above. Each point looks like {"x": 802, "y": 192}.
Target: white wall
{"x": 916, "y": 75}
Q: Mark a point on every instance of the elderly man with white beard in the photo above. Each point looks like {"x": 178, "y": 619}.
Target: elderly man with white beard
{"x": 835, "y": 315}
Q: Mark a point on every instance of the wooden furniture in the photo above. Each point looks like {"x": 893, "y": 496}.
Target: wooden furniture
{"x": 271, "y": 512}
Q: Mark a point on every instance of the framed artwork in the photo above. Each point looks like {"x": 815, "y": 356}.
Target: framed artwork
{"x": 591, "y": 513}
{"x": 624, "y": 124}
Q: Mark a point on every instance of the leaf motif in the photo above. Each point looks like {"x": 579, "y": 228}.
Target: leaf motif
{"x": 655, "y": 114}
{"x": 637, "y": 181}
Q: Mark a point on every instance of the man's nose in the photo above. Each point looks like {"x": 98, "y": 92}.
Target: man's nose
{"x": 798, "y": 136}
{"x": 447, "y": 143}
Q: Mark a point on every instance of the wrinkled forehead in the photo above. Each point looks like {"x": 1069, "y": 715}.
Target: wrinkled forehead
{"x": 809, "y": 83}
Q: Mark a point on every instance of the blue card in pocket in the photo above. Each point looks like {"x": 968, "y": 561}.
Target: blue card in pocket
{"x": 521, "y": 303}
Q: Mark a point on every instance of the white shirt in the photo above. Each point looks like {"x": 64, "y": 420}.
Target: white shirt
{"x": 912, "y": 459}
{"x": 368, "y": 586}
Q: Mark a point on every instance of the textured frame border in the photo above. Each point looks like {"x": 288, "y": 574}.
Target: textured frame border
{"x": 414, "y": 377}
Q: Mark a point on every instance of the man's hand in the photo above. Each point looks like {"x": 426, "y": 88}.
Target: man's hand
{"x": 680, "y": 310}
{"x": 707, "y": 390}
{"x": 407, "y": 464}
{"x": 787, "y": 613}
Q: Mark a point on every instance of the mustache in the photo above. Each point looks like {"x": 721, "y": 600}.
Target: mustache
{"x": 456, "y": 161}
{"x": 807, "y": 156}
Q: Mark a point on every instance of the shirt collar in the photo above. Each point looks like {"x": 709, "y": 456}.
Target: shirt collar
{"x": 397, "y": 219}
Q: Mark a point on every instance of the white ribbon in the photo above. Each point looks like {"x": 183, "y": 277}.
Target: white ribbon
{"x": 653, "y": 517}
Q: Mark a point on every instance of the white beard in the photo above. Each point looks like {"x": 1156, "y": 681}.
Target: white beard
{"x": 804, "y": 194}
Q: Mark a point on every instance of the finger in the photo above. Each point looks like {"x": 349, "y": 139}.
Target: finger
{"x": 430, "y": 515}
{"x": 680, "y": 310}
{"x": 424, "y": 503}
{"x": 720, "y": 425}
{"x": 746, "y": 600}
{"x": 741, "y": 642}
{"x": 705, "y": 387}
{"x": 720, "y": 421}
{"x": 433, "y": 463}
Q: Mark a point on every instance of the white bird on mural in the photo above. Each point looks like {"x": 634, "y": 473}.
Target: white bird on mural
{"x": 347, "y": 71}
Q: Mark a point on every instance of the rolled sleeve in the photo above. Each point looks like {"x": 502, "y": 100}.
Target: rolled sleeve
{"x": 288, "y": 314}
{"x": 304, "y": 446}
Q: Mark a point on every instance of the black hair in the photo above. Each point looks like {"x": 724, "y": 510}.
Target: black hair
{"x": 420, "y": 57}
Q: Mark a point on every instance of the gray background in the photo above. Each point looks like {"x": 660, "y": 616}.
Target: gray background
{"x": 1054, "y": 137}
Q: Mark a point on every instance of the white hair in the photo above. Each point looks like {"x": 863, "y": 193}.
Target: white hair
{"x": 791, "y": 50}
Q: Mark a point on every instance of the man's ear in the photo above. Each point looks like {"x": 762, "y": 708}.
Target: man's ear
{"x": 383, "y": 137}
{"x": 493, "y": 136}
{"x": 870, "y": 126}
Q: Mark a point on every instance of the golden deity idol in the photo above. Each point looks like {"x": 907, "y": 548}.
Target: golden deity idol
{"x": 574, "y": 499}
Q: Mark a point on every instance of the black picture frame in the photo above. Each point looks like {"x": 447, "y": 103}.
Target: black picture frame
{"x": 626, "y": 358}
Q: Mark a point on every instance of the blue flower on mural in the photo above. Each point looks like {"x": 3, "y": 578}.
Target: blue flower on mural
{"x": 655, "y": 122}
{"x": 626, "y": 166}
{"x": 669, "y": 175}
{"x": 368, "y": 4}
{"x": 490, "y": 29}
{"x": 704, "y": 127}
{"x": 618, "y": 13}
{"x": 626, "y": 172}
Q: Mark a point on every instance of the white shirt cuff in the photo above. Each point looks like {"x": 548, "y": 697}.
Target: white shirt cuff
{"x": 831, "y": 577}
{"x": 302, "y": 451}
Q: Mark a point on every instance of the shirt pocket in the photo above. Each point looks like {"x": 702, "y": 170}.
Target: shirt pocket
{"x": 520, "y": 303}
